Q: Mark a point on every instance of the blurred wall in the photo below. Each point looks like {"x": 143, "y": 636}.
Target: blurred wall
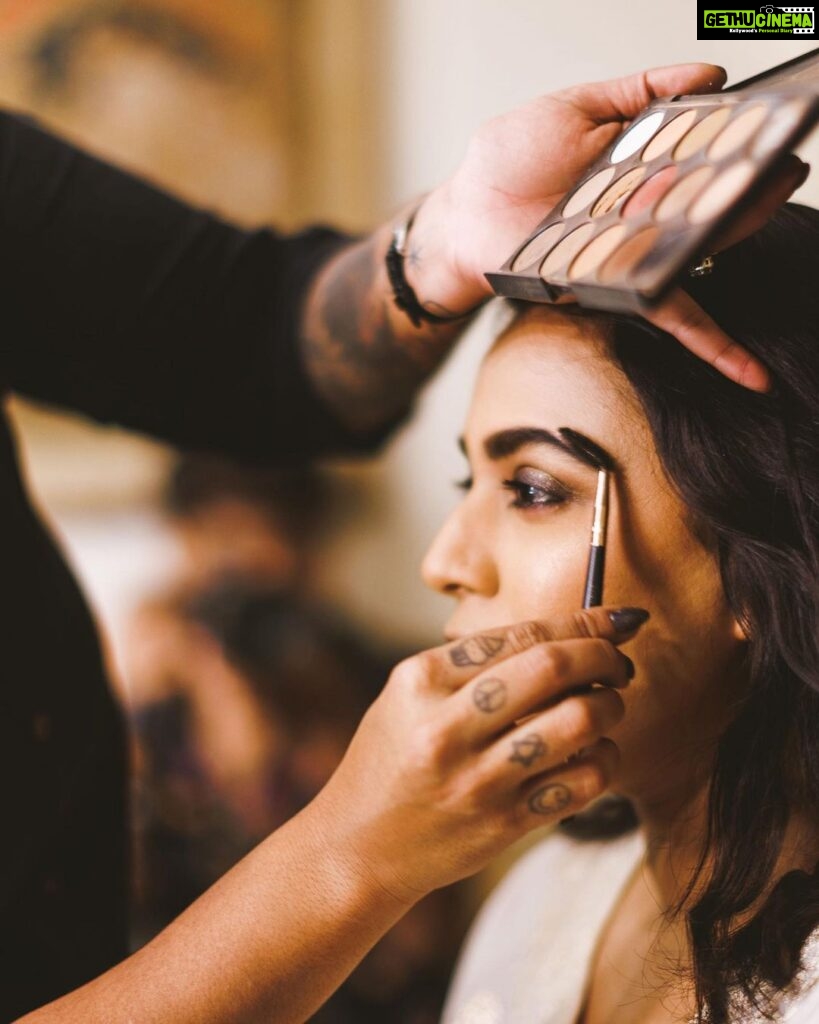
{"x": 387, "y": 93}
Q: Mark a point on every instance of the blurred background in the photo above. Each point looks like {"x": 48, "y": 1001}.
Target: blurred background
{"x": 285, "y": 112}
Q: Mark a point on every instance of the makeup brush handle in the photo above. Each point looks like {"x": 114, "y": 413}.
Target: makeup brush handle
{"x": 593, "y": 590}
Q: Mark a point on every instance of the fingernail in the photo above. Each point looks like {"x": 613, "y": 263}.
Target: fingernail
{"x": 630, "y": 669}
{"x": 625, "y": 620}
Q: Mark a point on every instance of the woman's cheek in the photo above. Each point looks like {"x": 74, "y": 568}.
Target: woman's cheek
{"x": 543, "y": 576}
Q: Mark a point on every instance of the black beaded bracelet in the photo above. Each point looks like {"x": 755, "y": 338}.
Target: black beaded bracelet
{"x": 405, "y": 298}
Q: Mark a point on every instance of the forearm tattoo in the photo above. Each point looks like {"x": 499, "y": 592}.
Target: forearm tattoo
{"x": 528, "y": 750}
{"x": 489, "y": 695}
{"x": 550, "y": 799}
{"x": 365, "y": 361}
{"x": 476, "y": 650}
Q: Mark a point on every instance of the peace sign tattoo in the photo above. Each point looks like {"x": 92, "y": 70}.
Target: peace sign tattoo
{"x": 489, "y": 695}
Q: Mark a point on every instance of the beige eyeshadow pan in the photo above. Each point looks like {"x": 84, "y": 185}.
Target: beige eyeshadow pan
{"x": 618, "y": 191}
{"x": 722, "y": 191}
{"x": 566, "y": 250}
{"x": 538, "y": 247}
{"x": 737, "y": 132}
{"x": 596, "y": 251}
{"x": 680, "y": 196}
{"x": 589, "y": 190}
{"x": 669, "y": 135}
{"x": 625, "y": 259}
{"x": 702, "y": 133}
{"x": 778, "y": 126}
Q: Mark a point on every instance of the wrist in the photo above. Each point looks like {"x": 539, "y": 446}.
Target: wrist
{"x": 431, "y": 265}
{"x": 364, "y": 876}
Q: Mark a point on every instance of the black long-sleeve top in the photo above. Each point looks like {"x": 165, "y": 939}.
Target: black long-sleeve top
{"x": 129, "y": 306}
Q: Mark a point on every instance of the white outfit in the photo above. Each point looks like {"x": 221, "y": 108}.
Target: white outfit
{"x": 528, "y": 955}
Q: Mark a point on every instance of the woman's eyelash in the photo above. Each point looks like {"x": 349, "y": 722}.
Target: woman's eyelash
{"x": 529, "y": 495}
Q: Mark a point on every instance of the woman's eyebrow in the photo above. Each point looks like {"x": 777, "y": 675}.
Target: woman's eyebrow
{"x": 572, "y": 442}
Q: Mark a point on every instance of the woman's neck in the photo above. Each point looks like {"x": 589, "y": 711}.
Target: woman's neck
{"x": 675, "y": 829}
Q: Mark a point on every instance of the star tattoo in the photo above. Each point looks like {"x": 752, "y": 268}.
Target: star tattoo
{"x": 528, "y": 750}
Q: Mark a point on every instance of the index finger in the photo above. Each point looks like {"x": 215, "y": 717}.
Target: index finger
{"x": 456, "y": 663}
{"x": 693, "y": 327}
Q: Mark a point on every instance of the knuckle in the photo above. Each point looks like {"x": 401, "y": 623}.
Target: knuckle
{"x": 609, "y": 752}
{"x": 609, "y": 708}
{"x": 618, "y": 705}
{"x": 690, "y": 320}
{"x": 579, "y": 722}
{"x": 607, "y": 654}
{"x": 469, "y": 797}
{"x": 585, "y": 625}
{"x": 528, "y": 634}
{"x": 553, "y": 661}
{"x": 593, "y": 779}
{"x": 415, "y": 673}
{"x": 429, "y": 748}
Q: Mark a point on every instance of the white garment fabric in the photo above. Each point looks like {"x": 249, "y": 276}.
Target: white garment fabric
{"x": 528, "y": 955}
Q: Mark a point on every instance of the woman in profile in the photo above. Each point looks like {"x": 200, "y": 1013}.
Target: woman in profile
{"x": 706, "y": 909}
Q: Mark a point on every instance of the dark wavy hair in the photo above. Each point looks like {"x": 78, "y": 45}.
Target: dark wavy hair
{"x": 747, "y": 467}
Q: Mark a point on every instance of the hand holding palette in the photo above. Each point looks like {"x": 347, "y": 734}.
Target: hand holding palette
{"x": 667, "y": 187}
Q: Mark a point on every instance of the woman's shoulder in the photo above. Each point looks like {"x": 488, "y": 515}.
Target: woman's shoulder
{"x": 801, "y": 1003}
{"x": 537, "y": 931}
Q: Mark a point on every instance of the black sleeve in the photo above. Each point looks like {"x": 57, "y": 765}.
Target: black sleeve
{"x": 127, "y": 305}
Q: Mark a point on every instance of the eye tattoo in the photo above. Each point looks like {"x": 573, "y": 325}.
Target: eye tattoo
{"x": 528, "y": 750}
{"x": 550, "y": 799}
{"x": 535, "y": 489}
{"x": 477, "y": 650}
{"x": 489, "y": 695}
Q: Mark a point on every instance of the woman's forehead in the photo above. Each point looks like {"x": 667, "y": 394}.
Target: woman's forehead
{"x": 553, "y": 370}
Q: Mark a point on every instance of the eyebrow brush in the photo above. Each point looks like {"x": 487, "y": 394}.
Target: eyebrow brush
{"x": 593, "y": 589}
{"x": 600, "y": 460}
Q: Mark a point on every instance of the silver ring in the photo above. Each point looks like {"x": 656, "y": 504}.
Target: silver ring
{"x": 703, "y": 268}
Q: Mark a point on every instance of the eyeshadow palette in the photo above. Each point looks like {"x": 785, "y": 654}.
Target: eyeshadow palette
{"x": 669, "y": 184}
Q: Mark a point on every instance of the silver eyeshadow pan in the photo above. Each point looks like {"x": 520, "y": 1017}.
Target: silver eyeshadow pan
{"x": 668, "y": 185}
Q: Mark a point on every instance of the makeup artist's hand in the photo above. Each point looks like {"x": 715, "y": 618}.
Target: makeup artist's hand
{"x": 519, "y": 165}
{"x": 466, "y": 748}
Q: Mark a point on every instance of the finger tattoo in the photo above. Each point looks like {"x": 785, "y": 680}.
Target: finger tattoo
{"x": 550, "y": 799}
{"x": 477, "y": 650}
{"x": 489, "y": 695}
{"x": 528, "y": 750}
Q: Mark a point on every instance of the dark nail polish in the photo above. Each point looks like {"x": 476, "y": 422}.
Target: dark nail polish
{"x": 626, "y": 620}
{"x": 630, "y": 669}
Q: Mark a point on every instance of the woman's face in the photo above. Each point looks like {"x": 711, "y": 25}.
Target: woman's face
{"x": 516, "y": 547}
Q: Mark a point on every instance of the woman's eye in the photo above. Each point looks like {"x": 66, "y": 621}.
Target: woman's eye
{"x": 536, "y": 491}
{"x": 465, "y": 484}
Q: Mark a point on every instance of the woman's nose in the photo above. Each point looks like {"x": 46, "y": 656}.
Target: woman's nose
{"x": 459, "y": 559}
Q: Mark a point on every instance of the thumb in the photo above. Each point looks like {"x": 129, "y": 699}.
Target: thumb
{"x": 620, "y": 99}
